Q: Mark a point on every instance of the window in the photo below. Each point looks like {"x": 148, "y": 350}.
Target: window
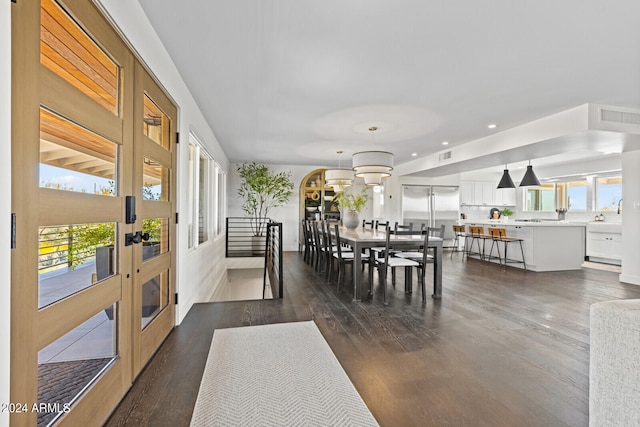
{"x": 540, "y": 198}
{"x": 608, "y": 193}
{"x": 572, "y": 195}
{"x": 68, "y": 51}
{"x": 378, "y": 201}
{"x": 200, "y": 164}
{"x": 220, "y": 200}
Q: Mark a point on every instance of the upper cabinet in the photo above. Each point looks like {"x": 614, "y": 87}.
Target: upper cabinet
{"x": 485, "y": 193}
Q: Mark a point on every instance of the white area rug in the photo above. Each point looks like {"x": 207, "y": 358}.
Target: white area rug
{"x": 276, "y": 375}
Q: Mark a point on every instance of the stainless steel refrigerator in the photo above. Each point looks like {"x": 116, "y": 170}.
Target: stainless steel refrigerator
{"x": 432, "y": 205}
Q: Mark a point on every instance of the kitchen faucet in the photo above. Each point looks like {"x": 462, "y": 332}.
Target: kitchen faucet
{"x": 619, "y": 206}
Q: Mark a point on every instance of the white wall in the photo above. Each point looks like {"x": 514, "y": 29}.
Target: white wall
{"x": 202, "y": 270}
{"x": 630, "y": 217}
{"x": 5, "y": 205}
{"x": 288, "y": 215}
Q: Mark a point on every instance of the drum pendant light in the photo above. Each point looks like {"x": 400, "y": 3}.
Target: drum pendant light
{"x": 372, "y": 165}
{"x": 338, "y": 178}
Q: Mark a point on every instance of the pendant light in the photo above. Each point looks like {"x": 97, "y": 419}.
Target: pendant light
{"x": 372, "y": 165}
{"x": 529, "y": 179}
{"x": 506, "y": 181}
{"x": 338, "y": 178}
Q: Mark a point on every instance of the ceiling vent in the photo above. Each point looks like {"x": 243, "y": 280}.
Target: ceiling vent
{"x": 619, "y": 117}
{"x": 444, "y": 156}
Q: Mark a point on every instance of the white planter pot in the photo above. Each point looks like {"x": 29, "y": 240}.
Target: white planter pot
{"x": 350, "y": 220}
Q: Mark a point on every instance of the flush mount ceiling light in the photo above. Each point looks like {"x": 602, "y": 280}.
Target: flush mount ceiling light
{"x": 506, "y": 181}
{"x": 372, "y": 165}
{"x": 492, "y": 126}
{"x": 338, "y": 178}
{"x": 529, "y": 179}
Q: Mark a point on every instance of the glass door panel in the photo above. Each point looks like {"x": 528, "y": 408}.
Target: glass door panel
{"x": 67, "y": 50}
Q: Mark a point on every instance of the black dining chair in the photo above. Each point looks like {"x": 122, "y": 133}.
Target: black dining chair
{"x": 344, "y": 258}
{"x": 389, "y": 261}
{"x": 422, "y": 257}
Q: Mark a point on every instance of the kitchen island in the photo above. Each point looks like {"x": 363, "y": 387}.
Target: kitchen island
{"x": 547, "y": 245}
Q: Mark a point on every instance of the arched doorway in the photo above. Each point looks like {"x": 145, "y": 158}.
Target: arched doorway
{"x": 316, "y": 199}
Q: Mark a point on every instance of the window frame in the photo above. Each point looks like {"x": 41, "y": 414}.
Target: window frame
{"x": 197, "y": 208}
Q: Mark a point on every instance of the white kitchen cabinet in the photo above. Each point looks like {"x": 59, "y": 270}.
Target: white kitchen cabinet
{"x": 485, "y": 193}
{"x": 467, "y": 193}
{"x": 604, "y": 242}
{"x": 505, "y": 197}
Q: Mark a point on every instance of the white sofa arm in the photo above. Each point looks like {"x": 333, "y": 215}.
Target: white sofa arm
{"x": 614, "y": 370}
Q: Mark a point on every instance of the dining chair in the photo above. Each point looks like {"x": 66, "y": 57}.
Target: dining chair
{"x": 381, "y": 225}
{"x": 422, "y": 257}
{"x": 332, "y": 247}
{"x": 388, "y": 261}
{"x": 366, "y": 223}
{"x": 343, "y": 258}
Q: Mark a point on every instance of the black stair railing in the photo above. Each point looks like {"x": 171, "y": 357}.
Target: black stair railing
{"x": 273, "y": 260}
{"x": 243, "y": 239}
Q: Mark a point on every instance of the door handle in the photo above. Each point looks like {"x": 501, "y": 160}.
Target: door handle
{"x": 136, "y": 238}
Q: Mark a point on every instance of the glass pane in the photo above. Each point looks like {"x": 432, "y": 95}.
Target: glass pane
{"x": 220, "y": 203}
{"x": 155, "y": 181}
{"x": 540, "y": 198}
{"x": 72, "y": 258}
{"x": 577, "y": 195}
{"x": 609, "y": 193}
{"x": 73, "y": 158}
{"x": 158, "y": 242}
{"x": 155, "y": 296}
{"x": 72, "y": 362}
{"x": 69, "y": 52}
{"x": 155, "y": 123}
{"x": 191, "y": 194}
{"x": 203, "y": 200}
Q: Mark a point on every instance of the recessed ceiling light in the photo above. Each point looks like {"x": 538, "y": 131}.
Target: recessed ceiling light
{"x": 445, "y": 142}
{"x": 492, "y": 126}
{"x": 414, "y": 154}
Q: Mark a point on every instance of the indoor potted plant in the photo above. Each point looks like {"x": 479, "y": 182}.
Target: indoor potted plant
{"x": 506, "y": 213}
{"x": 262, "y": 190}
{"x": 350, "y": 206}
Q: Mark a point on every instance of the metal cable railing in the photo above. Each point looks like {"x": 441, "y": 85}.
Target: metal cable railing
{"x": 246, "y": 237}
{"x": 59, "y": 247}
{"x": 273, "y": 260}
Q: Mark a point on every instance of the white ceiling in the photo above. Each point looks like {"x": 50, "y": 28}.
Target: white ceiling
{"x": 292, "y": 82}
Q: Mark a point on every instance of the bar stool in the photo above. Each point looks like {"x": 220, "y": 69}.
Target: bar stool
{"x": 458, "y": 231}
{"x": 476, "y": 233}
{"x": 500, "y": 235}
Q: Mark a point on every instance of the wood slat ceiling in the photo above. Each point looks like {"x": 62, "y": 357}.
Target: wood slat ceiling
{"x": 69, "y": 52}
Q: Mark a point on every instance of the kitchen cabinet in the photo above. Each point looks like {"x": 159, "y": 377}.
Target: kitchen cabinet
{"x": 505, "y": 197}
{"x": 467, "y": 193}
{"x": 604, "y": 242}
{"x": 485, "y": 193}
{"x": 547, "y": 246}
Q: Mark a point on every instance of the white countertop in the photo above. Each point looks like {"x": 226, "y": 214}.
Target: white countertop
{"x": 520, "y": 223}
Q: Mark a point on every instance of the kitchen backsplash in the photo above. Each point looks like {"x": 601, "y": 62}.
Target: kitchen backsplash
{"x": 482, "y": 212}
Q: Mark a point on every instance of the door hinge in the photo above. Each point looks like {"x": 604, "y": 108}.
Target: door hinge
{"x": 13, "y": 231}
{"x": 175, "y": 298}
{"x": 177, "y": 137}
{"x": 176, "y": 217}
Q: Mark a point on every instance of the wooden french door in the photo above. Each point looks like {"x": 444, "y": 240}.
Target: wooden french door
{"x": 93, "y": 193}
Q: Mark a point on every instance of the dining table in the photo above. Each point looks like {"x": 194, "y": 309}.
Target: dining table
{"x": 362, "y": 238}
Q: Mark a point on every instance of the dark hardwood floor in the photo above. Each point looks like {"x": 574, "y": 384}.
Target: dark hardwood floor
{"x": 502, "y": 348}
